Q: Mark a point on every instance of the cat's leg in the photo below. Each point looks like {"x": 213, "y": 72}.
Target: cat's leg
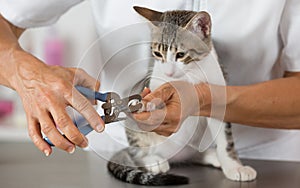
{"x": 155, "y": 164}
{"x": 200, "y": 141}
{"x": 208, "y": 157}
{"x": 144, "y": 152}
{"x": 196, "y": 150}
{"x": 230, "y": 163}
{"x": 151, "y": 160}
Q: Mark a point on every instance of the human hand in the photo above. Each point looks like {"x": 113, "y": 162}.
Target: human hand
{"x": 46, "y": 91}
{"x": 173, "y": 103}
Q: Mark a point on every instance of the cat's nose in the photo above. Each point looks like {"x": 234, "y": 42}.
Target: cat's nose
{"x": 169, "y": 74}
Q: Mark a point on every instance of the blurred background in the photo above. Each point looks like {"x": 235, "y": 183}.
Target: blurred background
{"x": 63, "y": 43}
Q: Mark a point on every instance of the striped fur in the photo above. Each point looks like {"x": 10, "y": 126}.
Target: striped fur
{"x": 180, "y": 40}
{"x": 138, "y": 174}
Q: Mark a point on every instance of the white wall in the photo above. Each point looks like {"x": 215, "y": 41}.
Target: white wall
{"x": 76, "y": 28}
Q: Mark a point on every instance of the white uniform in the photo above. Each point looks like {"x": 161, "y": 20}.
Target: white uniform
{"x": 256, "y": 40}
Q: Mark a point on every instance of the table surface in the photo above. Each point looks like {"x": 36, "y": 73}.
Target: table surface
{"x": 22, "y": 166}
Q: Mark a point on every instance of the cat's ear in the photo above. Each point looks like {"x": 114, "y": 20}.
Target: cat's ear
{"x": 153, "y": 16}
{"x": 200, "y": 24}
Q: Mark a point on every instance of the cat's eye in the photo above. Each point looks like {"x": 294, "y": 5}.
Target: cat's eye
{"x": 157, "y": 54}
{"x": 180, "y": 55}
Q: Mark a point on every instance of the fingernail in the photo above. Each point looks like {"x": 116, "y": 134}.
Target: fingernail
{"x": 99, "y": 128}
{"x": 71, "y": 150}
{"x": 150, "y": 107}
{"x": 85, "y": 143}
{"x": 47, "y": 152}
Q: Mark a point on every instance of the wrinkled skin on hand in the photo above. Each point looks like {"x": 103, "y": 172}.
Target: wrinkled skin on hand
{"x": 46, "y": 91}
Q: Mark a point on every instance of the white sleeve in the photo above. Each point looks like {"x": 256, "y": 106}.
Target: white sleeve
{"x": 290, "y": 33}
{"x": 34, "y": 13}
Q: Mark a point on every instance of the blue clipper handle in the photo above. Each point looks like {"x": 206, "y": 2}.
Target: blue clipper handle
{"x": 90, "y": 94}
{"x": 86, "y": 129}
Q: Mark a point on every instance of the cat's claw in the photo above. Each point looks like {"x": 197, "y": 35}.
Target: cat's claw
{"x": 242, "y": 173}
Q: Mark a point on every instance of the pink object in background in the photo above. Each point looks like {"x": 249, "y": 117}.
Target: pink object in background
{"x": 54, "y": 48}
{"x": 6, "y": 107}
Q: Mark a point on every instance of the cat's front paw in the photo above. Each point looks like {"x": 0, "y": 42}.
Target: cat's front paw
{"x": 156, "y": 164}
{"x": 241, "y": 173}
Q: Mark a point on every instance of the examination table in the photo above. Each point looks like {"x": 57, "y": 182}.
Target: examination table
{"x": 23, "y": 166}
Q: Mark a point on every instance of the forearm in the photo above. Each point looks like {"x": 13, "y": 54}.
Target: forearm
{"x": 9, "y": 35}
{"x": 271, "y": 104}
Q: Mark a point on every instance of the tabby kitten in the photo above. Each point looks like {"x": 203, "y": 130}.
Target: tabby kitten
{"x": 178, "y": 56}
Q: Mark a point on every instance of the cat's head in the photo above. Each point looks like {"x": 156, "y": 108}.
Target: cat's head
{"x": 179, "y": 38}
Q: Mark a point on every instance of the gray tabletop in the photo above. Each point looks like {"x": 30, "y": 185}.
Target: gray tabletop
{"x": 22, "y": 166}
